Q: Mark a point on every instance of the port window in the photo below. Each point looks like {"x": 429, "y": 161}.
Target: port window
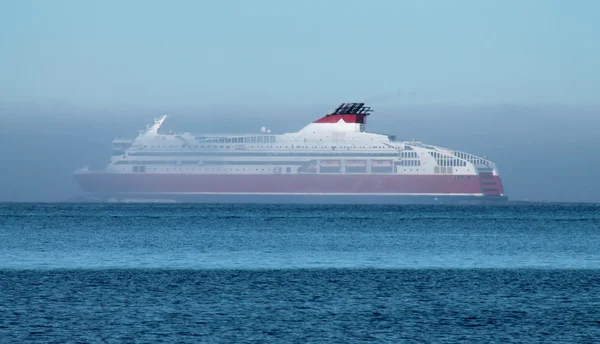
{"x": 288, "y": 170}
{"x": 142, "y": 168}
{"x": 135, "y": 169}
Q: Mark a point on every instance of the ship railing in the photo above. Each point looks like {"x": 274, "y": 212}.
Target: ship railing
{"x": 484, "y": 167}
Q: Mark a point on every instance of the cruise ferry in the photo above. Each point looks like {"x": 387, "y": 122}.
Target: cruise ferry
{"x": 331, "y": 160}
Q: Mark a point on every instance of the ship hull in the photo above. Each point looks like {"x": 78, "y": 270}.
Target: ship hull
{"x": 293, "y": 188}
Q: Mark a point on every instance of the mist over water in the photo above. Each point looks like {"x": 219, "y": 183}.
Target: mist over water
{"x": 545, "y": 153}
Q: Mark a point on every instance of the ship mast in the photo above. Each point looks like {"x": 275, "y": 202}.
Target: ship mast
{"x": 152, "y": 130}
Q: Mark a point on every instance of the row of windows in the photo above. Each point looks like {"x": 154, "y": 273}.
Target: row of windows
{"x": 441, "y": 163}
{"x": 451, "y": 162}
{"x": 409, "y": 155}
{"x": 158, "y": 162}
{"x": 144, "y": 169}
{"x": 168, "y": 146}
{"x": 355, "y": 169}
{"x": 255, "y": 162}
{"x": 261, "y": 147}
{"x": 409, "y": 163}
{"x": 245, "y": 139}
{"x": 275, "y": 170}
{"x": 228, "y": 162}
{"x": 339, "y": 153}
{"x": 437, "y": 155}
{"x": 446, "y": 160}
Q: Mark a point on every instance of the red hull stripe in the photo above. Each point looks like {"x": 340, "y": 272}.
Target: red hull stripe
{"x": 287, "y": 184}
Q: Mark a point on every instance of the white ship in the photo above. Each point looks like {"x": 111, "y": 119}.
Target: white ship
{"x": 333, "y": 159}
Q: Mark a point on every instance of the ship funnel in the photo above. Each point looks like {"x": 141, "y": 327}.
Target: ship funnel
{"x": 348, "y": 117}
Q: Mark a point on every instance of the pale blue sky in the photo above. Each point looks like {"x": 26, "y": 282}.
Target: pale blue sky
{"x": 188, "y": 53}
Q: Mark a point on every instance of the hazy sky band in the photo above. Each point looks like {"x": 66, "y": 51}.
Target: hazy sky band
{"x": 178, "y": 53}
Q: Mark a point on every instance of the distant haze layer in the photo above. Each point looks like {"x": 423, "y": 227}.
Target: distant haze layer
{"x": 543, "y": 153}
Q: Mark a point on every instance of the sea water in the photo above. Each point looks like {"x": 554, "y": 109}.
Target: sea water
{"x": 299, "y": 273}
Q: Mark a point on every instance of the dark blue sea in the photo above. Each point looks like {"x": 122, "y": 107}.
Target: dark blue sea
{"x": 178, "y": 273}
